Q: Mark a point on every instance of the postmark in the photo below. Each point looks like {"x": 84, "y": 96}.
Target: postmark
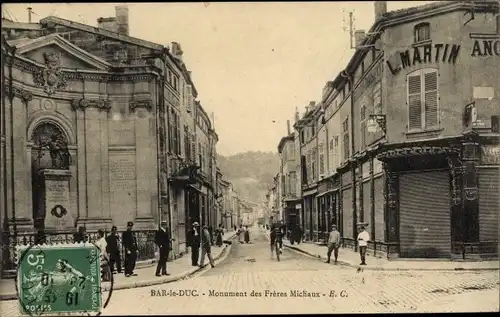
{"x": 60, "y": 279}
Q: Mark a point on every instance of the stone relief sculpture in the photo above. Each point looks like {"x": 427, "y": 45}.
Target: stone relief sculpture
{"x": 50, "y": 137}
{"x": 51, "y": 78}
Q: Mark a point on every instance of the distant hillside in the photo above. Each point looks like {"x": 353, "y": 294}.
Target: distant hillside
{"x": 251, "y": 173}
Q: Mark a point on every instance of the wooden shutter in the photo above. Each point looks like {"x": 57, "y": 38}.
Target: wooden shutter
{"x": 414, "y": 102}
{"x": 189, "y": 98}
{"x": 431, "y": 99}
{"x": 321, "y": 160}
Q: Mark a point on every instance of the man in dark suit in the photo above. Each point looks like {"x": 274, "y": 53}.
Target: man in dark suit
{"x": 129, "y": 241}
{"x": 194, "y": 243}
{"x": 162, "y": 240}
{"x": 113, "y": 242}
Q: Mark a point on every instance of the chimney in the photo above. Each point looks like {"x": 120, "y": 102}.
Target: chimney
{"x": 122, "y": 19}
{"x": 288, "y": 130}
{"x": 312, "y": 104}
{"x": 380, "y": 9}
{"x": 176, "y": 50}
{"x": 107, "y": 24}
{"x": 297, "y": 117}
{"x": 359, "y": 36}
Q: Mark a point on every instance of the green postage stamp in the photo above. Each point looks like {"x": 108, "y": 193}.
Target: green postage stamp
{"x": 59, "y": 279}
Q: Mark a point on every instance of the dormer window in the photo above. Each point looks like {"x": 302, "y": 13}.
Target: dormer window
{"x": 422, "y": 32}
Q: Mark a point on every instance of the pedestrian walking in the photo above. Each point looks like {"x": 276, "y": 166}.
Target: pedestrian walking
{"x": 333, "y": 244}
{"x": 219, "y": 232}
{"x": 299, "y": 234}
{"x": 240, "y": 233}
{"x": 102, "y": 245}
{"x": 129, "y": 241}
{"x": 81, "y": 235}
{"x": 247, "y": 235}
{"x": 113, "y": 249}
{"x": 363, "y": 238}
{"x": 211, "y": 231}
{"x": 194, "y": 242}
{"x": 206, "y": 247}
{"x": 163, "y": 241}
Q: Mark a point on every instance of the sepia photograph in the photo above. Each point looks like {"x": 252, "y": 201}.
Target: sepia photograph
{"x": 243, "y": 158}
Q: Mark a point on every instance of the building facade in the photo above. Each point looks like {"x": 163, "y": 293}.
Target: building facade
{"x": 291, "y": 198}
{"x": 406, "y": 136}
{"x": 98, "y": 129}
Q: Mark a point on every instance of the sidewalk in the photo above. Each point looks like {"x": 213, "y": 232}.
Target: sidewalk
{"x": 178, "y": 269}
{"x": 350, "y": 258}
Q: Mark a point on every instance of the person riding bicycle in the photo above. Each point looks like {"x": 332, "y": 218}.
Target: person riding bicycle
{"x": 276, "y": 233}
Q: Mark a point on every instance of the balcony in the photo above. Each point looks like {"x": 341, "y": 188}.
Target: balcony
{"x": 183, "y": 173}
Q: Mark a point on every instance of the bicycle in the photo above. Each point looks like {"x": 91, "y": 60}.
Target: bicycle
{"x": 276, "y": 248}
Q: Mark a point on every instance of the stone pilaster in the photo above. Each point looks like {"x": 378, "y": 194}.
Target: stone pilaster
{"x": 145, "y": 160}
{"x": 95, "y": 217}
{"x": 391, "y": 210}
{"x": 372, "y": 201}
{"x": 21, "y": 166}
{"x": 470, "y": 160}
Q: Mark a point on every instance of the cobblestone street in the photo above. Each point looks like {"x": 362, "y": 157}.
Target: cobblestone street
{"x": 250, "y": 268}
{"x": 267, "y": 286}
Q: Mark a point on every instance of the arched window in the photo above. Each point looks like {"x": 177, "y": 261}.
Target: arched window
{"x": 422, "y": 32}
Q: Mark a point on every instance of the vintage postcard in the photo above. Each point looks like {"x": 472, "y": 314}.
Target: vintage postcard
{"x": 250, "y": 158}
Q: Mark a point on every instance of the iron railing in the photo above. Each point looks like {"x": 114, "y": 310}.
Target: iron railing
{"x": 145, "y": 243}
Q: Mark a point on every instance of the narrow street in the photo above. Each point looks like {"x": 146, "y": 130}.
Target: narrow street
{"x": 249, "y": 269}
{"x": 250, "y": 281}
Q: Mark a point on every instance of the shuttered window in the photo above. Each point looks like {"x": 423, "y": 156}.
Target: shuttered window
{"x": 423, "y": 99}
{"x": 189, "y": 99}
{"x": 321, "y": 160}
{"x": 362, "y": 125}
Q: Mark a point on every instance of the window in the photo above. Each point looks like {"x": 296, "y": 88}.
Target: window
{"x": 302, "y": 137}
{"x": 422, "y": 88}
{"x": 313, "y": 164}
{"x": 321, "y": 160}
{"x": 175, "y": 130}
{"x": 362, "y": 67}
{"x": 187, "y": 142}
{"x": 422, "y": 32}
{"x": 377, "y": 98}
{"x": 362, "y": 125}
{"x": 193, "y": 147}
{"x": 345, "y": 131}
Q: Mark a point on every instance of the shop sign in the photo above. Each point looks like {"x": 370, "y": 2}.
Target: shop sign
{"x": 490, "y": 154}
{"x": 437, "y": 53}
{"x": 486, "y": 48}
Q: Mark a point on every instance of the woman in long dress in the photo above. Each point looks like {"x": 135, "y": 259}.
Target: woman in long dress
{"x": 219, "y": 232}
{"x": 247, "y": 235}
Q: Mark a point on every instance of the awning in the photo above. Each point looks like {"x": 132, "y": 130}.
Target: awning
{"x": 310, "y": 192}
{"x": 327, "y": 192}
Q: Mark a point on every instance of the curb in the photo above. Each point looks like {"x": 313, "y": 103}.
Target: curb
{"x": 375, "y": 268}
{"x": 185, "y": 275}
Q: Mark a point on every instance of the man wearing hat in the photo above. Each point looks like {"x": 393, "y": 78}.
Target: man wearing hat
{"x": 130, "y": 246}
{"x": 333, "y": 244}
{"x": 194, "y": 243}
{"x": 162, "y": 240}
{"x": 206, "y": 247}
{"x": 363, "y": 238}
{"x": 113, "y": 245}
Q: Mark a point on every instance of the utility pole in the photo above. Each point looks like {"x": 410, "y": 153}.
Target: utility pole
{"x": 29, "y": 14}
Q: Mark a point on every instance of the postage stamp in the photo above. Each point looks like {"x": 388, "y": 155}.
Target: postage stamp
{"x": 59, "y": 279}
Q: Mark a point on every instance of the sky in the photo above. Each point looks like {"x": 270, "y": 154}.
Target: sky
{"x": 252, "y": 64}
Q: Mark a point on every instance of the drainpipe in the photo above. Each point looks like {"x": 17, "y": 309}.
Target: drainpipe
{"x": 11, "y": 99}
{"x": 354, "y": 211}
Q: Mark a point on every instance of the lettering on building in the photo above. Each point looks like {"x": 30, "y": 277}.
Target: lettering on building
{"x": 437, "y": 53}
{"x": 486, "y": 48}
{"x": 490, "y": 154}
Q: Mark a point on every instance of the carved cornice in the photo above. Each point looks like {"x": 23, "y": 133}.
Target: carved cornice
{"x": 22, "y": 94}
{"x": 141, "y": 103}
{"x": 82, "y": 104}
